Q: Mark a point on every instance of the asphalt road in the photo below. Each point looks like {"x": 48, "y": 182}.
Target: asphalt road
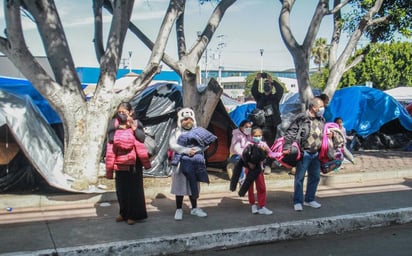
{"x": 394, "y": 240}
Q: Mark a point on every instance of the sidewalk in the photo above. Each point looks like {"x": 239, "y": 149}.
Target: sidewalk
{"x": 374, "y": 192}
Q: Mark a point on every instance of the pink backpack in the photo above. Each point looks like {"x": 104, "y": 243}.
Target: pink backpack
{"x": 290, "y": 160}
{"x": 331, "y": 151}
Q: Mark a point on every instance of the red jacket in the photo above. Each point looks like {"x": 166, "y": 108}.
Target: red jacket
{"x": 124, "y": 151}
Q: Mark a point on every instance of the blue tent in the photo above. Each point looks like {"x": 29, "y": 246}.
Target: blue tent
{"x": 366, "y": 110}
{"x": 241, "y": 112}
{"x": 21, "y": 88}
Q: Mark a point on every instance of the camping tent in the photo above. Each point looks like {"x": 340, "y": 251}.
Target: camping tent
{"x": 157, "y": 108}
{"x": 402, "y": 94}
{"x": 365, "y": 110}
{"x": 33, "y": 143}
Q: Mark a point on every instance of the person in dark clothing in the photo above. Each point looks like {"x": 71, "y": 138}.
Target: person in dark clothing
{"x": 124, "y": 130}
{"x": 268, "y": 101}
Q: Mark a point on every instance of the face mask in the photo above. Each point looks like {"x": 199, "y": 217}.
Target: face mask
{"x": 122, "y": 118}
{"x": 320, "y": 112}
{"x": 247, "y": 131}
{"x": 257, "y": 139}
{"x": 188, "y": 126}
{"x": 267, "y": 87}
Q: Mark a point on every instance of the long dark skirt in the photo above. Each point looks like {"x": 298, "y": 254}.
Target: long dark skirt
{"x": 130, "y": 194}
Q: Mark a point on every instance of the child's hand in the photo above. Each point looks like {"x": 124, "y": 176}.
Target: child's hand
{"x": 192, "y": 151}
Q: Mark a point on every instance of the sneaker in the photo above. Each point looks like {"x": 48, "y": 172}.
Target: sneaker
{"x": 179, "y": 214}
{"x": 198, "y": 212}
{"x": 254, "y": 209}
{"x": 229, "y": 169}
{"x": 298, "y": 207}
{"x": 267, "y": 170}
{"x": 312, "y": 204}
{"x": 265, "y": 211}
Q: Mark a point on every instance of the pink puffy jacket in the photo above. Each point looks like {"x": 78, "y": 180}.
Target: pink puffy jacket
{"x": 124, "y": 151}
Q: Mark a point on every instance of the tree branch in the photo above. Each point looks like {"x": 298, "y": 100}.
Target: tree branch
{"x": 285, "y": 29}
{"x": 98, "y": 28}
{"x": 207, "y": 34}
{"x": 379, "y": 20}
{"x": 175, "y": 9}
{"x": 339, "y": 5}
{"x": 171, "y": 62}
{"x": 355, "y": 62}
{"x": 321, "y": 10}
{"x": 55, "y": 42}
{"x": 111, "y": 59}
{"x": 180, "y": 35}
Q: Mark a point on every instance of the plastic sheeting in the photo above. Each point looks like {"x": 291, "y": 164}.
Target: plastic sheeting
{"x": 156, "y": 107}
{"x": 365, "y": 110}
{"x": 22, "y": 88}
{"x": 35, "y": 138}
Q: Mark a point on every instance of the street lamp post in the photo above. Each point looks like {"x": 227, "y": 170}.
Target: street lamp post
{"x": 261, "y": 60}
{"x": 130, "y": 61}
{"x": 261, "y": 68}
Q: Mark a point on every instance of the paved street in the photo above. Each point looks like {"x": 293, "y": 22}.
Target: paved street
{"x": 392, "y": 240}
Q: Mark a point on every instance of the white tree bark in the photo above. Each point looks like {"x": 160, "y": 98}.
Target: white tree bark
{"x": 187, "y": 61}
{"x": 301, "y": 52}
{"x": 338, "y": 66}
{"x": 84, "y": 122}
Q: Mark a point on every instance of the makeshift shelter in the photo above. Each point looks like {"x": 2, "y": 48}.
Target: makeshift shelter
{"x": 402, "y": 94}
{"x": 242, "y": 112}
{"x": 157, "y": 108}
{"x": 365, "y": 110}
{"x": 28, "y": 146}
{"x": 22, "y": 87}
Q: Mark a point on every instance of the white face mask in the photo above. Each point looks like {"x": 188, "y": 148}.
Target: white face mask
{"x": 257, "y": 139}
{"x": 320, "y": 112}
{"x": 247, "y": 131}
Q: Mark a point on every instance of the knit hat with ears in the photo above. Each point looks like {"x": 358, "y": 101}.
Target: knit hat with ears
{"x": 185, "y": 113}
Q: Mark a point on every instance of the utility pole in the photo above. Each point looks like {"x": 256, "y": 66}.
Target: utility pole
{"x": 220, "y": 48}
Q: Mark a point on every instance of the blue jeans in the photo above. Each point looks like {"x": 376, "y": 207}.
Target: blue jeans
{"x": 310, "y": 163}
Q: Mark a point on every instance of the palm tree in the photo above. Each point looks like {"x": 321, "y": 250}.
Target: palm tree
{"x": 320, "y": 52}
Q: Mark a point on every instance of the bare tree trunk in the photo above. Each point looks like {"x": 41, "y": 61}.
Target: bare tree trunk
{"x": 338, "y": 66}
{"x": 209, "y": 99}
{"x": 302, "y": 76}
{"x": 301, "y": 53}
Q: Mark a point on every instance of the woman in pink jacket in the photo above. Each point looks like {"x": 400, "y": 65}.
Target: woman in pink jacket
{"x": 126, "y": 155}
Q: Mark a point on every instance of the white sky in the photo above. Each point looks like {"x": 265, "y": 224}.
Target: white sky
{"x": 247, "y": 27}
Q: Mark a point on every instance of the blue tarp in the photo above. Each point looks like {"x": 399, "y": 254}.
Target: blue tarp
{"x": 90, "y": 75}
{"x": 21, "y": 88}
{"x": 366, "y": 110}
{"x": 363, "y": 109}
{"x": 241, "y": 112}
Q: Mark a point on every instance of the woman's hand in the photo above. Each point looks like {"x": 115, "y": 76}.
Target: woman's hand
{"x": 131, "y": 123}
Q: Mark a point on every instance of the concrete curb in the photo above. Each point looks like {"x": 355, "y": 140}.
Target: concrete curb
{"x": 235, "y": 237}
